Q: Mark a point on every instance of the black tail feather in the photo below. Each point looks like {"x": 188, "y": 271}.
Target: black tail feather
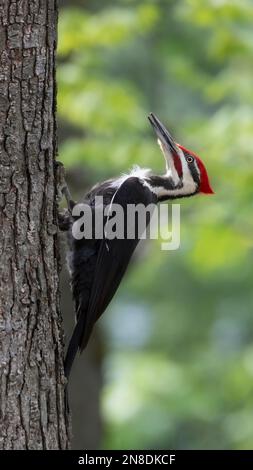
{"x": 78, "y": 341}
{"x": 73, "y": 348}
{"x": 69, "y": 359}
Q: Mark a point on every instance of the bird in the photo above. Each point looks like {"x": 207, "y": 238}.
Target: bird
{"x": 97, "y": 266}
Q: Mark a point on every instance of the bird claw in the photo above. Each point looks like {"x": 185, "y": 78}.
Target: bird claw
{"x": 60, "y": 179}
{"x": 62, "y": 187}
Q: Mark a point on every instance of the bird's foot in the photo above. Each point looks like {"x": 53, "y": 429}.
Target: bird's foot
{"x": 62, "y": 187}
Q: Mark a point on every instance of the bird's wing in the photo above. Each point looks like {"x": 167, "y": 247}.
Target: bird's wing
{"x": 114, "y": 256}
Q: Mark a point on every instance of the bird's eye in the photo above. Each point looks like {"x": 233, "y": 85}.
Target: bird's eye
{"x": 189, "y": 159}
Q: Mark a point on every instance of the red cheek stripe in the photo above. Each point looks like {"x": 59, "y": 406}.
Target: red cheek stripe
{"x": 178, "y": 165}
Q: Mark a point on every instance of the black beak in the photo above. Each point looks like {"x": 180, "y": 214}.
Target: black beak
{"x": 162, "y": 133}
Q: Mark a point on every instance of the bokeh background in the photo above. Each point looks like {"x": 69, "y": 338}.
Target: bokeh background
{"x": 171, "y": 363}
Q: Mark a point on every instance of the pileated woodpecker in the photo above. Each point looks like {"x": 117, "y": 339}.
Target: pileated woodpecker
{"x": 97, "y": 266}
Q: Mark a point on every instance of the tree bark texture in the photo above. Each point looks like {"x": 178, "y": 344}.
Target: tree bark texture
{"x": 32, "y": 414}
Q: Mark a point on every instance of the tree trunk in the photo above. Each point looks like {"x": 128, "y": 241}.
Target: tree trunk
{"x": 32, "y": 414}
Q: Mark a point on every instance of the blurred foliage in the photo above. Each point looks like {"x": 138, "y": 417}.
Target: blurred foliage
{"x": 179, "y": 366}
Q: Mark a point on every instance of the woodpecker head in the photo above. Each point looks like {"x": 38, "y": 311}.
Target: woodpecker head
{"x": 184, "y": 169}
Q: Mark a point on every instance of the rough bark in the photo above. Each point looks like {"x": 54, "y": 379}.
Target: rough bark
{"x": 32, "y": 414}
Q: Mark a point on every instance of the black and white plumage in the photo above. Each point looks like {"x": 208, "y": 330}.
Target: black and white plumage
{"x": 98, "y": 265}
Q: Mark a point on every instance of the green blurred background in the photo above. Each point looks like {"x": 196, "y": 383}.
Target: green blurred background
{"x": 171, "y": 363}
